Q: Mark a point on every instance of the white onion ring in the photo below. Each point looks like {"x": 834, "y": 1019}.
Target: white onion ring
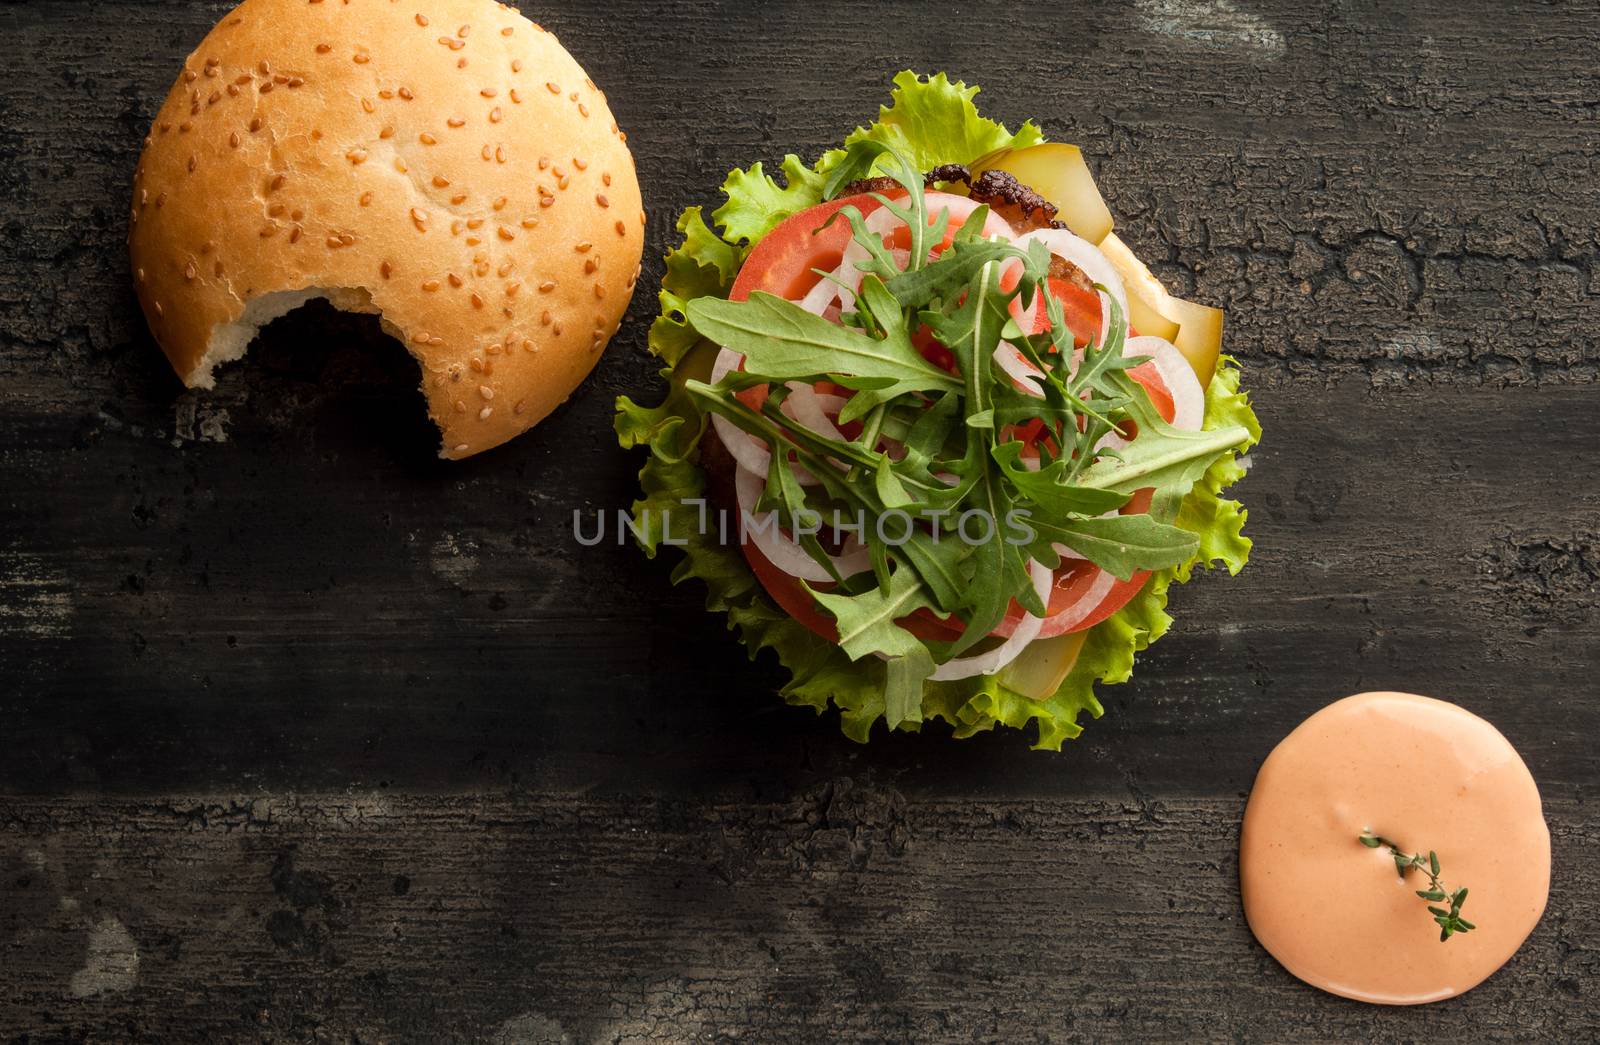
{"x": 1021, "y": 371}
{"x": 751, "y": 453}
{"x": 810, "y": 408}
{"x": 1070, "y": 247}
{"x": 783, "y": 551}
{"x": 1079, "y": 611}
{"x": 1188, "y": 398}
{"x": 1027, "y": 630}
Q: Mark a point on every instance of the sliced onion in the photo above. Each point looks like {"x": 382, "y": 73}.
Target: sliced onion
{"x": 1079, "y": 611}
{"x": 782, "y": 550}
{"x": 1188, "y": 398}
{"x": 1027, "y": 630}
{"x": 1020, "y": 370}
{"x": 810, "y": 408}
{"x": 1074, "y": 248}
{"x": 819, "y": 297}
{"x": 750, "y": 452}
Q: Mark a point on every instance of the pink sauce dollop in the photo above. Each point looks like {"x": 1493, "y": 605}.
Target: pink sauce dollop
{"x": 1427, "y": 775}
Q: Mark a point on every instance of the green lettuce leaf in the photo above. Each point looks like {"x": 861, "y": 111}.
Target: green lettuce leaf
{"x": 933, "y": 121}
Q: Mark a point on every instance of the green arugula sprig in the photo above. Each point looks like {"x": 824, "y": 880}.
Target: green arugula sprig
{"x": 958, "y": 456}
{"x": 1448, "y": 919}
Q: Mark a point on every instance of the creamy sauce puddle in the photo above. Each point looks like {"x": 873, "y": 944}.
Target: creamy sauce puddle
{"x": 1427, "y": 775}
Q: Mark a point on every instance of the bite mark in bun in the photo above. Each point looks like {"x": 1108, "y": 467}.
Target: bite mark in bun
{"x": 445, "y": 164}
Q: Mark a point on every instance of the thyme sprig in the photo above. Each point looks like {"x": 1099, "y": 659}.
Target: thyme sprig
{"x": 1449, "y": 920}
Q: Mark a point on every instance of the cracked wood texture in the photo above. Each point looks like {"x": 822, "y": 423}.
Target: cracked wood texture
{"x": 307, "y": 736}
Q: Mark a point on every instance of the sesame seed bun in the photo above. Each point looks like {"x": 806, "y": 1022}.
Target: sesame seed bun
{"x": 443, "y": 163}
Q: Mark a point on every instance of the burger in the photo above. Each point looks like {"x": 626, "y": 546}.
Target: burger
{"x": 444, "y": 164}
{"x": 933, "y": 435}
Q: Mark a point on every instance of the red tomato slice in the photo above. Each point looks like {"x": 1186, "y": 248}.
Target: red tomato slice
{"x": 781, "y": 263}
{"x": 1082, "y": 309}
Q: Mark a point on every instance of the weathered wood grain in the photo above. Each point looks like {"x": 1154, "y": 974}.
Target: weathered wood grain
{"x": 610, "y": 826}
{"x": 847, "y": 912}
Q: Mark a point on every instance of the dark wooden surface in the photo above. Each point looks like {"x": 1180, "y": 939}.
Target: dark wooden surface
{"x": 310, "y": 737}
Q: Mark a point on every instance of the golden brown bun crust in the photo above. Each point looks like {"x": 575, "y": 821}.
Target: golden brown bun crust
{"x": 448, "y": 157}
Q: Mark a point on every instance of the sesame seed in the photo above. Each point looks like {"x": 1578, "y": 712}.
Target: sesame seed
{"x": 266, "y": 88}
{"x": 233, "y": 140}
{"x": 544, "y": 319}
{"x": 460, "y": 448}
{"x": 515, "y": 98}
{"x": 427, "y": 139}
{"x": 600, "y": 198}
{"x": 276, "y": 183}
{"x": 529, "y": 223}
{"x": 641, "y": 217}
{"x": 506, "y": 31}
{"x": 399, "y": 165}
{"x": 387, "y": 132}
{"x": 599, "y": 291}
{"x": 486, "y": 154}
{"x": 622, "y": 228}
{"x": 386, "y": 270}
{"x": 572, "y": 97}
{"x": 605, "y": 178}
{"x": 324, "y": 48}
{"x": 562, "y": 182}
{"x": 217, "y": 269}
{"x": 553, "y": 87}
{"x": 579, "y": 163}
{"x": 477, "y": 302}
{"x": 488, "y": 92}
{"x": 461, "y": 407}
{"x": 474, "y": 223}
{"x": 159, "y": 310}
{"x": 440, "y": 181}
{"x": 506, "y": 234}
{"x": 506, "y": 266}
{"x": 161, "y": 201}
{"x": 462, "y": 32}
{"x": 386, "y": 94}
{"x": 494, "y": 115}
{"x": 590, "y": 265}
{"x": 233, "y": 91}
{"x": 276, "y": 210}
{"x": 405, "y": 93}
{"x": 255, "y": 124}
{"x": 583, "y": 110}
{"x": 545, "y": 201}
{"x": 268, "y": 230}
{"x": 356, "y": 156}
{"x": 360, "y": 59}
{"x": 366, "y": 199}
{"x": 436, "y": 340}
{"x": 516, "y": 65}
{"x": 483, "y": 415}
{"x": 430, "y": 285}
{"x": 556, "y": 329}
{"x": 547, "y": 286}
{"x": 185, "y": 127}
{"x": 189, "y": 76}
{"x": 294, "y": 234}
{"x": 419, "y": 338}
{"x": 584, "y": 247}
{"x": 476, "y": 364}
{"x": 529, "y": 346}
{"x": 485, "y": 390}
{"x": 456, "y": 121}
{"x": 455, "y": 280}
{"x": 500, "y": 203}
{"x": 500, "y": 153}
{"x": 458, "y": 199}
{"x": 192, "y": 162}
{"x": 422, "y": 19}
{"x": 512, "y": 288}
{"x": 209, "y": 246}
{"x": 367, "y": 106}
{"x": 189, "y": 272}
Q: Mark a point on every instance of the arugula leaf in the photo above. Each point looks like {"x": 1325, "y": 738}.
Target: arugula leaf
{"x": 783, "y": 341}
{"x": 1162, "y": 456}
{"x": 1119, "y": 544}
